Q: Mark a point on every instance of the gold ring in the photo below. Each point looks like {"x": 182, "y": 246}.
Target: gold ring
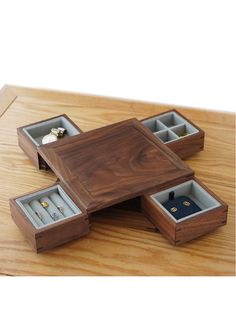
{"x": 173, "y": 209}
{"x": 186, "y": 203}
{"x": 44, "y": 204}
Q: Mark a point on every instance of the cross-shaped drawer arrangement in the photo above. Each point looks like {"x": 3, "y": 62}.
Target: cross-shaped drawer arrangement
{"x": 106, "y": 166}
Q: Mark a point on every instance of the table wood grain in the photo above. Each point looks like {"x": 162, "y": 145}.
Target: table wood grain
{"x": 121, "y": 241}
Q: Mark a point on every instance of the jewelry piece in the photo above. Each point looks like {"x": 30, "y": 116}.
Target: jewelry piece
{"x": 61, "y": 209}
{"x": 186, "y": 203}
{"x": 173, "y": 209}
{"x": 49, "y": 138}
{"x": 59, "y": 132}
{"x": 54, "y": 135}
{"x": 54, "y": 216}
{"x": 44, "y": 204}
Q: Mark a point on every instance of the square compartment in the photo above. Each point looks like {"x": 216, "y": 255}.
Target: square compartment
{"x": 62, "y": 200}
{"x": 37, "y": 131}
{"x": 170, "y": 119}
{"x": 184, "y": 130}
{"x": 166, "y": 136}
{"x": 154, "y": 125}
{"x": 192, "y": 190}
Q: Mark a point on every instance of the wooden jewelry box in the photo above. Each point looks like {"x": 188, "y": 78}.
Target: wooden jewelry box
{"x": 181, "y": 135}
{"x": 103, "y": 167}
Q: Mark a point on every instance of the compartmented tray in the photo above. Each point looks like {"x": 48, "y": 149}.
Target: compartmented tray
{"x": 173, "y": 129}
{"x": 57, "y": 223}
{"x": 185, "y": 211}
{"x": 30, "y": 136}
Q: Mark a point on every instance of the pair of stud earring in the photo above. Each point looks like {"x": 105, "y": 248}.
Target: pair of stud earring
{"x": 174, "y": 209}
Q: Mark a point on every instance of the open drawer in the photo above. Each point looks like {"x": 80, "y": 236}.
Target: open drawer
{"x": 180, "y": 134}
{"x": 49, "y": 217}
{"x": 30, "y": 136}
{"x": 185, "y": 211}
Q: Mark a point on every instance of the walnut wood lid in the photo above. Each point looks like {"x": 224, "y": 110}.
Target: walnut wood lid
{"x": 114, "y": 163}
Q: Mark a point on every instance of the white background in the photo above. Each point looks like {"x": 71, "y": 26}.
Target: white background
{"x": 176, "y": 52}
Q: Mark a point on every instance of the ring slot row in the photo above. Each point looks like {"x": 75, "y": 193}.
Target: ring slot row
{"x": 56, "y": 209}
{"x": 52, "y": 209}
{"x": 62, "y": 205}
{"x": 34, "y": 216}
{"x": 40, "y": 212}
{"x": 44, "y": 208}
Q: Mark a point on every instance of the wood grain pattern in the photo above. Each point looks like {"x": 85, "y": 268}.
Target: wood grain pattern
{"x": 112, "y": 164}
{"x": 116, "y": 245}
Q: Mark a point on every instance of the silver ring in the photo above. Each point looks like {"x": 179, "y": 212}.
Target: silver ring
{"x": 54, "y": 216}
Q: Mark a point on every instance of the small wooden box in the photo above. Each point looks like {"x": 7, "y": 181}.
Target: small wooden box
{"x": 181, "y": 135}
{"x": 30, "y": 136}
{"x": 39, "y": 229}
{"x": 213, "y": 212}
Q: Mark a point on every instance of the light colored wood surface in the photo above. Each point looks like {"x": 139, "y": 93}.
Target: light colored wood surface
{"x": 121, "y": 241}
